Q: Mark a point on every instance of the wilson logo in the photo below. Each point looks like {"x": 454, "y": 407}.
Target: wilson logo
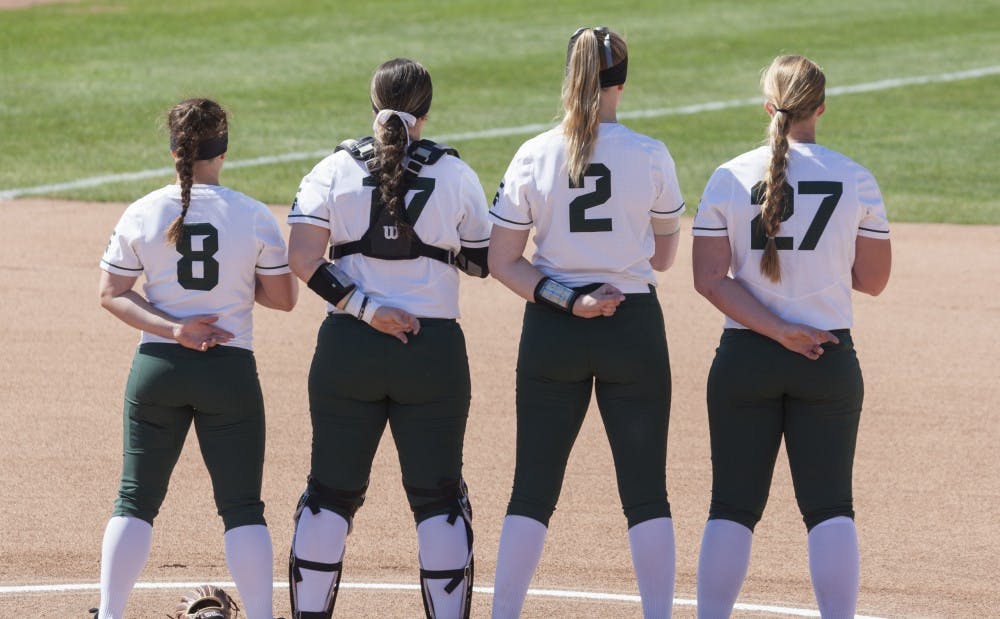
{"x": 390, "y": 232}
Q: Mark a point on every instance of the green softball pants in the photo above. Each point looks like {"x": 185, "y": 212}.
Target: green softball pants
{"x": 168, "y": 388}
{"x": 623, "y": 359}
{"x": 361, "y": 380}
{"x": 759, "y": 392}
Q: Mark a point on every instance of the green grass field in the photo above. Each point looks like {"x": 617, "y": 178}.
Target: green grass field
{"x": 85, "y": 86}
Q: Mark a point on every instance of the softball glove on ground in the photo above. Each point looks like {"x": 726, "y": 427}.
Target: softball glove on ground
{"x": 207, "y": 602}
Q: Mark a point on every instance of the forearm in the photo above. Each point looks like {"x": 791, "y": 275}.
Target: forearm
{"x": 519, "y": 275}
{"x": 134, "y": 310}
{"x": 735, "y": 301}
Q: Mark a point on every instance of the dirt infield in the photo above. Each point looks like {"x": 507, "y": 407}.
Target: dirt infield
{"x": 926, "y": 478}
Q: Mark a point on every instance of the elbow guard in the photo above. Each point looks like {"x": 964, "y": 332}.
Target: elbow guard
{"x": 331, "y": 283}
{"x": 473, "y": 261}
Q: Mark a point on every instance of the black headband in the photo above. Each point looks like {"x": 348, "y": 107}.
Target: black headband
{"x": 610, "y": 75}
{"x": 207, "y": 149}
{"x": 613, "y": 76}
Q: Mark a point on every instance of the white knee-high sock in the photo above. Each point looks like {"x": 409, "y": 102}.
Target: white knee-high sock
{"x": 722, "y": 566}
{"x": 834, "y": 567}
{"x": 521, "y": 542}
{"x": 318, "y": 537}
{"x": 124, "y": 552}
{"x": 444, "y": 546}
{"x": 652, "y": 545}
{"x": 250, "y": 559}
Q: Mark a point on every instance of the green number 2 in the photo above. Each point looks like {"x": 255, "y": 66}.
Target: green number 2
{"x": 833, "y": 190}
{"x": 189, "y": 256}
{"x": 578, "y": 221}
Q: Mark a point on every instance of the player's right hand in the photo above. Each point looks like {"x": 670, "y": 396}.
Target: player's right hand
{"x": 601, "y": 302}
{"x": 199, "y": 333}
{"x": 805, "y": 340}
{"x": 395, "y": 322}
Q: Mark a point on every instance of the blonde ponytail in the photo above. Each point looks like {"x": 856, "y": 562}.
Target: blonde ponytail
{"x": 581, "y": 95}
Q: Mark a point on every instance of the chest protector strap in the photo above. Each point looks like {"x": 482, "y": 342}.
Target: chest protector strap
{"x": 383, "y": 239}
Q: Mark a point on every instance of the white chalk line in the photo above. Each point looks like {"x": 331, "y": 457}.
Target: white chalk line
{"x": 555, "y": 593}
{"x": 106, "y": 179}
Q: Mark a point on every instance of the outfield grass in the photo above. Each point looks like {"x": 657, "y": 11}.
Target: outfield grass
{"x": 84, "y": 86}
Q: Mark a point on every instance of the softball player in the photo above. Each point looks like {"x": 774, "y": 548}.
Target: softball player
{"x": 400, "y": 215}
{"x": 782, "y": 234}
{"x": 207, "y": 253}
{"x": 605, "y": 205}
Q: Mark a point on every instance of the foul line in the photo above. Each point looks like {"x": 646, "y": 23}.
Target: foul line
{"x": 95, "y": 181}
{"x": 556, "y": 593}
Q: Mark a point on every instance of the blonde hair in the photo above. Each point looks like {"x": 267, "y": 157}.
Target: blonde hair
{"x": 581, "y": 97}
{"x": 795, "y": 86}
{"x": 190, "y": 122}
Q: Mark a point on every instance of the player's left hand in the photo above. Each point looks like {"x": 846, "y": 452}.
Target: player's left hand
{"x": 200, "y": 333}
{"x": 805, "y": 340}
{"x": 395, "y": 322}
{"x": 601, "y": 302}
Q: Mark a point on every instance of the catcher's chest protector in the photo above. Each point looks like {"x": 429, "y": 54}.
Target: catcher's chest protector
{"x": 383, "y": 239}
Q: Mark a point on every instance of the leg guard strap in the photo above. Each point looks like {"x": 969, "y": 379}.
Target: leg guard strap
{"x": 457, "y": 577}
{"x": 343, "y": 502}
{"x": 452, "y": 496}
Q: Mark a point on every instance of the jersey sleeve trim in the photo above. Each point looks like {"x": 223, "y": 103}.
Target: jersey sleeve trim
{"x": 872, "y": 233}
{"x": 679, "y": 209}
{"x": 474, "y": 242}
{"x": 298, "y": 215}
{"x": 114, "y": 268}
{"x": 280, "y": 266}
{"x": 509, "y": 223}
{"x": 705, "y": 231}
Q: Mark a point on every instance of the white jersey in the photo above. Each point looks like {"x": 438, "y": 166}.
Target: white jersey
{"x": 232, "y": 238}
{"x": 834, "y": 201}
{"x": 338, "y": 195}
{"x": 601, "y": 232}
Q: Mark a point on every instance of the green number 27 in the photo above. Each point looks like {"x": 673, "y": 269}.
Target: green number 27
{"x": 833, "y": 190}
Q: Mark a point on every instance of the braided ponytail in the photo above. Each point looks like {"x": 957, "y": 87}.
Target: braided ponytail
{"x": 795, "y": 87}
{"x": 772, "y": 206}
{"x": 404, "y": 86}
{"x": 191, "y": 122}
{"x": 392, "y": 139}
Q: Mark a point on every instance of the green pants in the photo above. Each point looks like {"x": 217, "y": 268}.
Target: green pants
{"x": 361, "y": 380}
{"x": 759, "y": 392}
{"x": 170, "y": 386}
{"x": 562, "y": 359}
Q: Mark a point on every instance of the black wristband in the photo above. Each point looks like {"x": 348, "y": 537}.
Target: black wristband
{"x": 331, "y": 283}
{"x": 550, "y": 292}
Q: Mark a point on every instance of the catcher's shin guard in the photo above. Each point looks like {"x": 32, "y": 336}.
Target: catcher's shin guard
{"x": 343, "y": 503}
{"x": 455, "y": 496}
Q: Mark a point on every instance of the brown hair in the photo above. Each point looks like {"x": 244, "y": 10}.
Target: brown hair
{"x": 795, "y": 86}
{"x": 191, "y": 122}
{"x": 581, "y": 97}
{"x": 402, "y": 85}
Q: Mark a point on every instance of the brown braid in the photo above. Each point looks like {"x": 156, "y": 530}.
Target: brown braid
{"x": 190, "y": 122}
{"x": 405, "y": 86}
{"x": 795, "y": 87}
{"x": 581, "y": 99}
